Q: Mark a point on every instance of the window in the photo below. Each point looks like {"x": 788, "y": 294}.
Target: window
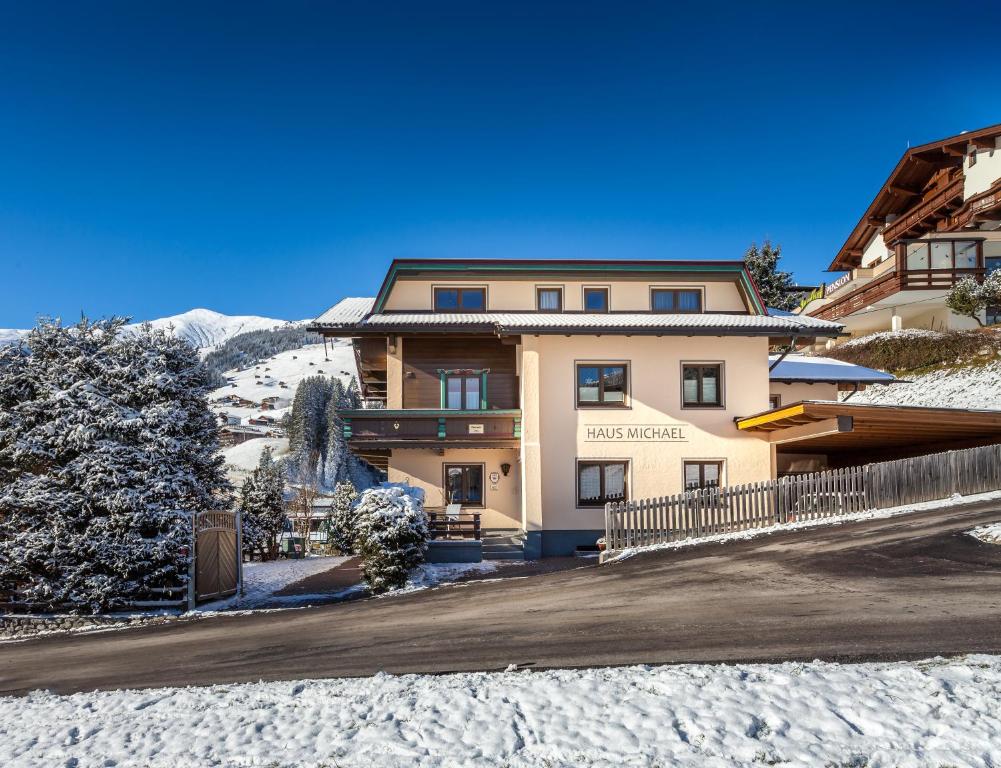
{"x": 460, "y": 299}
{"x": 702, "y": 385}
{"x": 682, "y": 300}
{"x": 595, "y": 299}
{"x": 602, "y": 386}
{"x": 463, "y": 392}
{"x": 774, "y": 401}
{"x": 464, "y": 484}
{"x": 549, "y": 299}
{"x": 917, "y": 255}
{"x": 599, "y": 482}
{"x": 703, "y": 474}
{"x": 942, "y": 254}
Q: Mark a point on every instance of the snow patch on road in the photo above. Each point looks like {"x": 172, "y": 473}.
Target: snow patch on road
{"x": 990, "y": 534}
{"x": 430, "y": 575}
{"x": 931, "y": 713}
{"x": 954, "y": 501}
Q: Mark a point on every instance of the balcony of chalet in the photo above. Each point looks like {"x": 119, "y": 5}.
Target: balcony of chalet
{"x": 459, "y": 392}
{"x": 925, "y": 265}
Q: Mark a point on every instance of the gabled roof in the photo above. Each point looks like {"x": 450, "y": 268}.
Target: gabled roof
{"x": 348, "y": 317}
{"x": 567, "y": 267}
{"x": 912, "y": 172}
{"x": 816, "y": 370}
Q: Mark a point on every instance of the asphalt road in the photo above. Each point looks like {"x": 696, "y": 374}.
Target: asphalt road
{"x": 911, "y": 586}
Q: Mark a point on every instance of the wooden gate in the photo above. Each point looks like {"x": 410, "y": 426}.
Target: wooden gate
{"x": 217, "y": 555}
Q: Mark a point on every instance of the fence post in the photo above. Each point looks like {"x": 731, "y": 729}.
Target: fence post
{"x": 239, "y": 552}
{"x": 191, "y": 562}
{"x": 608, "y": 526}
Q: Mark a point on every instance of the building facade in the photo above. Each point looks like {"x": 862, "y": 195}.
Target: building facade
{"x": 935, "y": 220}
{"x": 536, "y": 391}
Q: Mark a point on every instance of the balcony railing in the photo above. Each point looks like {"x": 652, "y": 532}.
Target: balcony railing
{"x": 925, "y": 214}
{"x": 377, "y": 428}
{"x": 894, "y": 282}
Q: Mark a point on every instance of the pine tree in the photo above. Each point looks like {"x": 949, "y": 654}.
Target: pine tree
{"x": 773, "y": 285}
{"x": 343, "y": 521}
{"x": 107, "y": 445}
{"x": 337, "y": 458}
{"x": 263, "y": 508}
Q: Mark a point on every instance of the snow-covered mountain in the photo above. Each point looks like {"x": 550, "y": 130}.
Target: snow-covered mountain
{"x": 11, "y": 335}
{"x": 205, "y": 329}
{"x": 202, "y": 328}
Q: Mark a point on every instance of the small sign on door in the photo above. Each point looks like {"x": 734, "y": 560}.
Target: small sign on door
{"x": 476, "y": 429}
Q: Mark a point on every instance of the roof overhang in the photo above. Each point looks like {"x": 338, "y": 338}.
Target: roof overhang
{"x": 812, "y": 426}
{"x": 905, "y": 183}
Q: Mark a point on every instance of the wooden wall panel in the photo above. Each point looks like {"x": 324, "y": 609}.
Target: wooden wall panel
{"x": 422, "y": 358}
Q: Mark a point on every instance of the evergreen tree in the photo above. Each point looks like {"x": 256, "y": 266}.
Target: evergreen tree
{"x": 342, "y": 524}
{"x": 773, "y": 284}
{"x": 107, "y": 445}
{"x": 337, "y": 457}
{"x": 263, "y": 508}
{"x": 392, "y": 535}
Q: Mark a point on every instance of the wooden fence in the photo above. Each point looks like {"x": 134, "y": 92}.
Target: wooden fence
{"x": 711, "y": 511}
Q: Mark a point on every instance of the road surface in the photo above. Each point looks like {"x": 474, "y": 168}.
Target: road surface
{"x": 904, "y": 587}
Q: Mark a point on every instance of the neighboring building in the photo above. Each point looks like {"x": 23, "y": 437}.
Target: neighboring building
{"x": 536, "y": 391}
{"x": 936, "y": 219}
{"x": 264, "y": 420}
{"x": 238, "y": 434}
{"x": 274, "y": 403}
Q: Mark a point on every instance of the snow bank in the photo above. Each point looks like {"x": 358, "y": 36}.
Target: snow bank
{"x": 430, "y": 575}
{"x": 990, "y": 534}
{"x": 914, "y": 333}
{"x": 970, "y": 387}
{"x": 954, "y": 501}
{"x": 930, "y": 713}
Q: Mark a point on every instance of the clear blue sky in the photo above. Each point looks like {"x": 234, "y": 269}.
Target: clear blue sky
{"x": 270, "y": 159}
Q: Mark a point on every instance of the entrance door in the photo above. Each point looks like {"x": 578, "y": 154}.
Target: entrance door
{"x": 464, "y": 484}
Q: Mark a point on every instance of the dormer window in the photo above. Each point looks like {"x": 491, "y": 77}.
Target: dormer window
{"x": 676, "y": 300}
{"x": 460, "y": 299}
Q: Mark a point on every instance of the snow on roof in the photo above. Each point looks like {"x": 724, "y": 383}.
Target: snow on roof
{"x": 816, "y": 369}
{"x": 345, "y": 311}
{"x": 354, "y": 313}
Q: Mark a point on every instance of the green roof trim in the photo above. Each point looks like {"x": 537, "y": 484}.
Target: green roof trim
{"x": 486, "y": 267}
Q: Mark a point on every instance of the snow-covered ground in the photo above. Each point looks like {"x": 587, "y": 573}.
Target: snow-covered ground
{"x": 929, "y": 713}
{"x": 991, "y": 534}
{"x": 954, "y": 501}
{"x": 262, "y": 580}
{"x": 915, "y": 333}
{"x": 976, "y": 386}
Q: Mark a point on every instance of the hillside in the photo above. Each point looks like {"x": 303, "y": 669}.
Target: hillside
{"x": 952, "y": 369}
{"x": 11, "y": 335}
{"x": 265, "y": 379}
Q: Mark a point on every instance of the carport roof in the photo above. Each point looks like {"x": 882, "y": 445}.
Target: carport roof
{"x": 812, "y": 426}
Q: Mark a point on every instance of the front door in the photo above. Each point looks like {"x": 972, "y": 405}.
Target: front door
{"x": 464, "y": 484}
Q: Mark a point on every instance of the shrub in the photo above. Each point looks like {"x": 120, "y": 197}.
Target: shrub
{"x": 392, "y": 535}
{"x": 915, "y": 350}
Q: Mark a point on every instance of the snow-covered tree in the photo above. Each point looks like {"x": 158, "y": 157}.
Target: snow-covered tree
{"x": 107, "y": 445}
{"x": 773, "y": 284}
{"x": 392, "y": 535}
{"x": 342, "y": 524}
{"x": 263, "y": 508}
{"x": 336, "y": 460}
{"x": 969, "y": 298}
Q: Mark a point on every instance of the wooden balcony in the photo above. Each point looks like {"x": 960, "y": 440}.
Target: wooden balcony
{"x": 891, "y": 283}
{"x": 424, "y": 428}
{"x": 924, "y": 216}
